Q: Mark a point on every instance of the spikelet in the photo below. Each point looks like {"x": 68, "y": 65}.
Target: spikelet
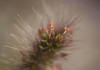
{"x": 44, "y": 49}
{"x": 39, "y": 46}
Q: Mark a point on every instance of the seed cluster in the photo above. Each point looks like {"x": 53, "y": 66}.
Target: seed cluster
{"x": 51, "y": 40}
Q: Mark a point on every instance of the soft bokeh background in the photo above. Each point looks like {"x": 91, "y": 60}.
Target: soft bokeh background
{"x": 84, "y": 57}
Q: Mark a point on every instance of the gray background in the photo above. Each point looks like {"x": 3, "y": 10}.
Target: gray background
{"x": 84, "y": 57}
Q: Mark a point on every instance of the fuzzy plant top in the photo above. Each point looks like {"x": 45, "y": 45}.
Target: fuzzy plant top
{"x": 51, "y": 39}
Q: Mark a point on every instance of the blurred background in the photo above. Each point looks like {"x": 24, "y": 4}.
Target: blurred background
{"x": 85, "y": 56}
